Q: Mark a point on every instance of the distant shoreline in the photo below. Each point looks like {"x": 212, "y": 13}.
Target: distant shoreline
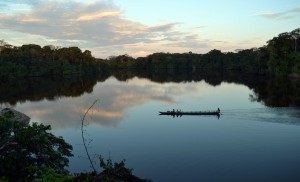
{"x": 280, "y": 57}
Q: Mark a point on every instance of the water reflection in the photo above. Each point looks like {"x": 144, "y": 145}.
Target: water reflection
{"x": 279, "y": 92}
{"x": 116, "y": 99}
{"x": 125, "y": 123}
{"x": 273, "y": 92}
{"x": 131, "y": 90}
{"x": 40, "y": 88}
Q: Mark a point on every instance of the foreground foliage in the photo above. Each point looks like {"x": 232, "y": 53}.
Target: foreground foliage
{"x": 32, "y": 153}
{"x": 111, "y": 172}
{"x": 25, "y": 150}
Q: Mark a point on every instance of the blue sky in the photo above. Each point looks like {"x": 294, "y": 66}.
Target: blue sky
{"x": 140, "y": 27}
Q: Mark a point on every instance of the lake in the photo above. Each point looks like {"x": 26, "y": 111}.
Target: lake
{"x": 257, "y": 137}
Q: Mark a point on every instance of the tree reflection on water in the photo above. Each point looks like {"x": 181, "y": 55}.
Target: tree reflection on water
{"x": 272, "y": 91}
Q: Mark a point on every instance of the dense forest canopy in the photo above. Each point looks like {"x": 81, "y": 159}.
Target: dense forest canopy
{"x": 281, "y": 56}
{"x": 34, "y": 60}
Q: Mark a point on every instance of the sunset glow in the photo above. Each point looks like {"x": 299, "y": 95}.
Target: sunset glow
{"x": 139, "y": 28}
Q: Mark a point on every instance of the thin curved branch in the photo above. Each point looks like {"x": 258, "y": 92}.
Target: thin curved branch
{"x": 83, "y": 139}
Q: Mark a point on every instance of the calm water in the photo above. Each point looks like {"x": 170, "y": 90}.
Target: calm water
{"x": 249, "y": 142}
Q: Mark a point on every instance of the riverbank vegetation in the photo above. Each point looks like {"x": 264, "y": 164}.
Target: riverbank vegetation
{"x": 33, "y": 60}
{"x": 280, "y": 56}
{"x": 26, "y": 150}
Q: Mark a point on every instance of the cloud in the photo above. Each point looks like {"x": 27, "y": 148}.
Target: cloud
{"x": 32, "y": 20}
{"x": 190, "y": 41}
{"x": 163, "y": 27}
{"x": 292, "y": 13}
{"x": 295, "y": 10}
{"x": 93, "y": 24}
{"x": 97, "y": 16}
{"x": 270, "y": 15}
{"x": 140, "y": 54}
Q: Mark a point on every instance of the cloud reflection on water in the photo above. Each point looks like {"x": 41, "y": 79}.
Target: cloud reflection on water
{"x": 116, "y": 99}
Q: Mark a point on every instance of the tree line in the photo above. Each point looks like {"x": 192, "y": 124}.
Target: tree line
{"x": 34, "y": 60}
{"x": 281, "y": 56}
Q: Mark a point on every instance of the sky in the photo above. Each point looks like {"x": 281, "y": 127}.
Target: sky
{"x": 141, "y": 27}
